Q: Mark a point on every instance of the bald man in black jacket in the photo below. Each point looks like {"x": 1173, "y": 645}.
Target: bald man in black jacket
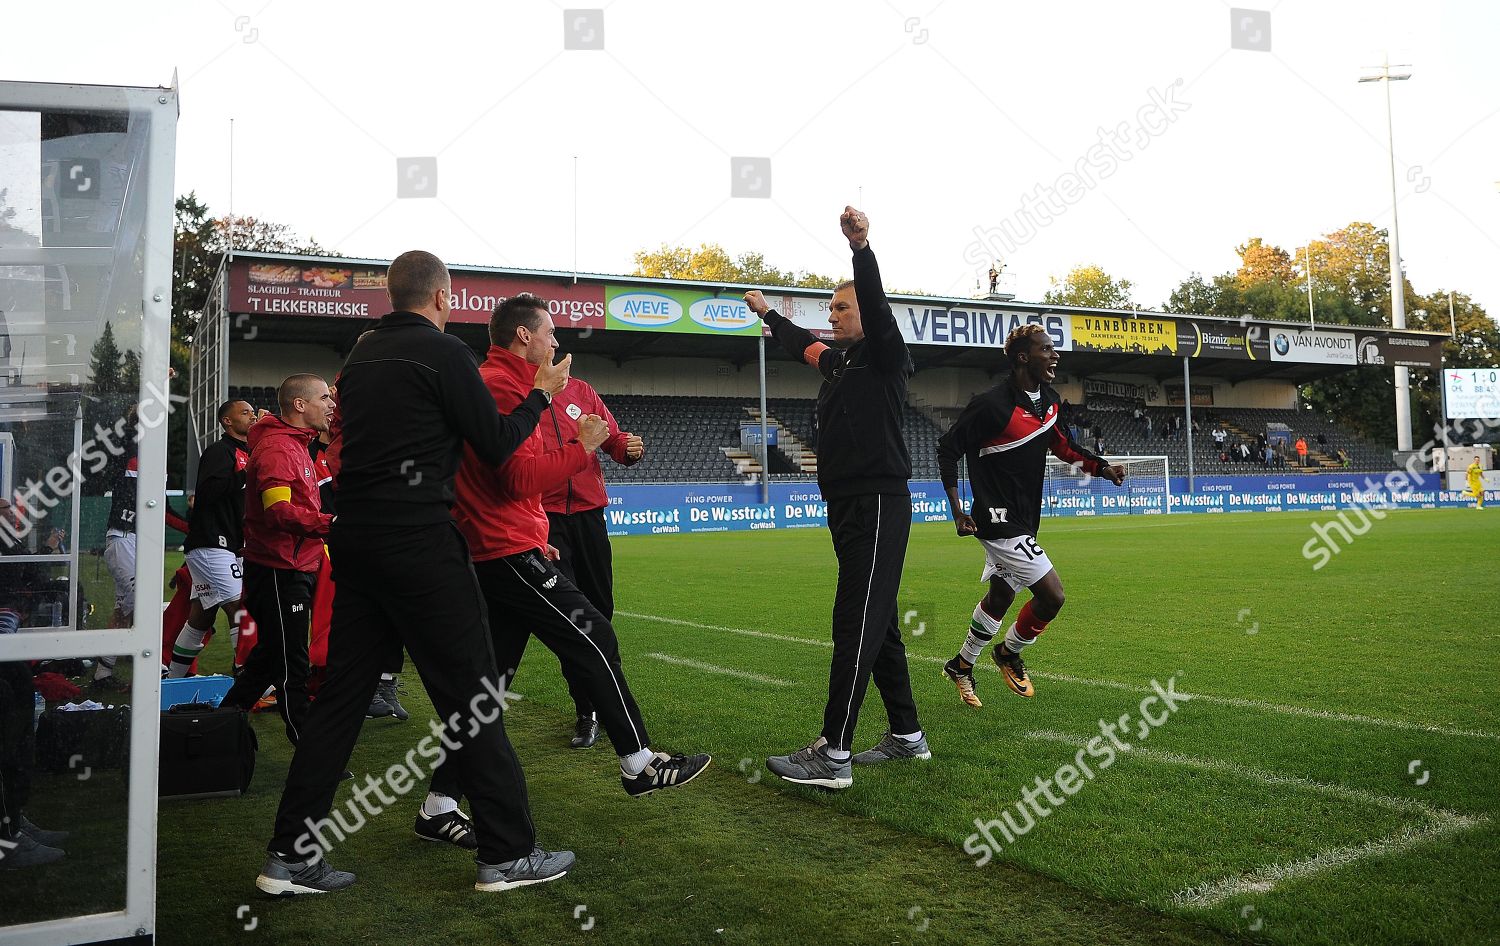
{"x": 410, "y": 398}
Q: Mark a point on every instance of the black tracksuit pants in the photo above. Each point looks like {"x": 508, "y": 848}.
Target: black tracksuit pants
{"x": 279, "y": 601}
{"x": 582, "y": 542}
{"x": 869, "y": 539}
{"x": 17, "y": 743}
{"x": 413, "y": 586}
{"x": 527, "y": 595}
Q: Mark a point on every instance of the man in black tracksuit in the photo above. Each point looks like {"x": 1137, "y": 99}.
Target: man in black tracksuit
{"x": 863, "y": 469}
{"x": 410, "y": 397}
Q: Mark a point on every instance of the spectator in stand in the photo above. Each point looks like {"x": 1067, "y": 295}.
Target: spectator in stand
{"x": 1148, "y": 426}
{"x": 1098, "y": 444}
{"x": 1197, "y": 427}
{"x": 1322, "y": 441}
{"x": 1220, "y": 435}
{"x": 1260, "y": 444}
{"x": 1280, "y": 454}
{"x": 1138, "y": 415}
{"x": 1301, "y": 448}
{"x": 1343, "y": 457}
{"x": 1267, "y": 455}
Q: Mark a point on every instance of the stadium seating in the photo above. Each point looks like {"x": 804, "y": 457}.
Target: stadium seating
{"x": 687, "y": 437}
{"x": 684, "y": 436}
{"x": 258, "y": 397}
{"x": 1124, "y": 437}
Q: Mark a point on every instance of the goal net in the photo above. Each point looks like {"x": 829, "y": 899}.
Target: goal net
{"x": 1072, "y": 492}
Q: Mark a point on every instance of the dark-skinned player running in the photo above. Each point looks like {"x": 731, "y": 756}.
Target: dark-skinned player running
{"x": 1005, "y": 434}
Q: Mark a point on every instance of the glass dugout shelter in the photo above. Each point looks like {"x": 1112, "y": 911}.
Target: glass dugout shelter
{"x": 86, "y": 241}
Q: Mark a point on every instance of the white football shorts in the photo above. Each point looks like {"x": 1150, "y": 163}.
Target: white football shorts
{"x": 119, "y": 558}
{"x": 218, "y": 576}
{"x": 1018, "y": 560}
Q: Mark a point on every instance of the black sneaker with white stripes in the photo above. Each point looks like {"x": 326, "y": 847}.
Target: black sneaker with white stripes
{"x": 664, "y": 771}
{"x": 451, "y": 826}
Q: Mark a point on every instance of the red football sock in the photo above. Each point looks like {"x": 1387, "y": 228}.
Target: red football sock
{"x": 1027, "y": 625}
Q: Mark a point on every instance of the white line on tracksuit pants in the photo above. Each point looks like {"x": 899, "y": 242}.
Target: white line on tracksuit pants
{"x": 286, "y": 670}
{"x": 863, "y": 620}
{"x": 615, "y": 680}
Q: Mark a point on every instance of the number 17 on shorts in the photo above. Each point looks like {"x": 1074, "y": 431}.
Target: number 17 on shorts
{"x": 1018, "y": 559}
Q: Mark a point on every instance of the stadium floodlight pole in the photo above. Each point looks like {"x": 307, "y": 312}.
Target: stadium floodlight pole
{"x": 765, "y": 446}
{"x": 1310, "y": 319}
{"x": 575, "y": 219}
{"x": 1398, "y": 295}
{"x": 1443, "y": 401}
{"x": 231, "y": 189}
{"x": 1187, "y": 402}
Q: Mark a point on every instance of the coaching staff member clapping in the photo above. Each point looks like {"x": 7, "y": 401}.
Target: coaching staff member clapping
{"x": 863, "y": 469}
{"x": 410, "y": 397}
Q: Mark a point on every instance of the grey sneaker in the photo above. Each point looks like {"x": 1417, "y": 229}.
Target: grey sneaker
{"x": 386, "y": 693}
{"x": 42, "y": 835}
{"x": 812, "y": 766}
{"x": 538, "y": 867}
{"x": 23, "y": 851}
{"x": 892, "y": 747}
{"x": 283, "y": 878}
{"x": 379, "y": 708}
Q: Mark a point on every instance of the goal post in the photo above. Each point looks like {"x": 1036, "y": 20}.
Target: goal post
{"x": 1147, "y": 490}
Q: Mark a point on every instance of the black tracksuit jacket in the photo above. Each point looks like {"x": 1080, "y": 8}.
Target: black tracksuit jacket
{"x": 409, "y": 398}
{"x": 861, "y": 450}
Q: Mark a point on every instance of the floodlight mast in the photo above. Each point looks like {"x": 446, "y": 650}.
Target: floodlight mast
{"x": 1385, "y": 74}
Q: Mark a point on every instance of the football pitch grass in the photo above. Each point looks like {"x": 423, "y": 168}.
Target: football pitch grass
{"x": 1333, "y": 780}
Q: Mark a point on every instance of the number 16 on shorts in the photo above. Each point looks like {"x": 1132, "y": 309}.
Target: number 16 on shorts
{"x": 1017, "y": 559}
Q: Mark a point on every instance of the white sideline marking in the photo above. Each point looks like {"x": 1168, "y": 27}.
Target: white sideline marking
{"x": 1235, "y": 701}
{"x": 1393, "y": 802}
{"x": 1435, "y": 823}
{"x": 1264, "y": 879}
{"x": 711, "y": 668}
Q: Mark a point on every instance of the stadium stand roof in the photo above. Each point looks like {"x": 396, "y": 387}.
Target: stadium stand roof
{"x": 276, "y": 297}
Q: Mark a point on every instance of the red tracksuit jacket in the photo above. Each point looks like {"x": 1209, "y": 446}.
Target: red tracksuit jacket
{"x": 583, "y": 490}
{"x": 499, "y": 510}
{"x": 283, "y": 534}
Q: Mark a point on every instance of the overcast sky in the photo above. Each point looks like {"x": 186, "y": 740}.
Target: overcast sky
{"x": 945, "y": 116}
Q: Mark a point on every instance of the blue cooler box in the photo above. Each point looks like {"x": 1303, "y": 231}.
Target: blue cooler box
{"x": 206, "y": 689}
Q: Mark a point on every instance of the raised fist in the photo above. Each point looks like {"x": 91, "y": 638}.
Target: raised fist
{"x": 592, "y": 431}
{"x": 856, "y": 227}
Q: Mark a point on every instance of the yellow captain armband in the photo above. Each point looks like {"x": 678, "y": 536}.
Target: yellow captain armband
{"x": 274, "y": 495}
